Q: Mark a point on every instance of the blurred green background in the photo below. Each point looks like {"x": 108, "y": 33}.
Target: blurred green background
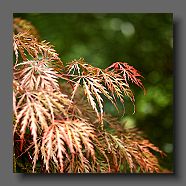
{"x": 143, "y": 40}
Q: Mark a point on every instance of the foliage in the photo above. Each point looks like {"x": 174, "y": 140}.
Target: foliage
{"x": 59, "y": 119}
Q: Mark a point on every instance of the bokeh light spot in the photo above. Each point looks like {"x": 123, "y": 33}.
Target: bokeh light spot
{"x": 127, "y": 29}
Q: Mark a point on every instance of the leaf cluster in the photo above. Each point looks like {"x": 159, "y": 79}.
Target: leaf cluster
{"x": 62, "y": 127}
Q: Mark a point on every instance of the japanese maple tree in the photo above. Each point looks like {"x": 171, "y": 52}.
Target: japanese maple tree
{"x": 60, "y": 125}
